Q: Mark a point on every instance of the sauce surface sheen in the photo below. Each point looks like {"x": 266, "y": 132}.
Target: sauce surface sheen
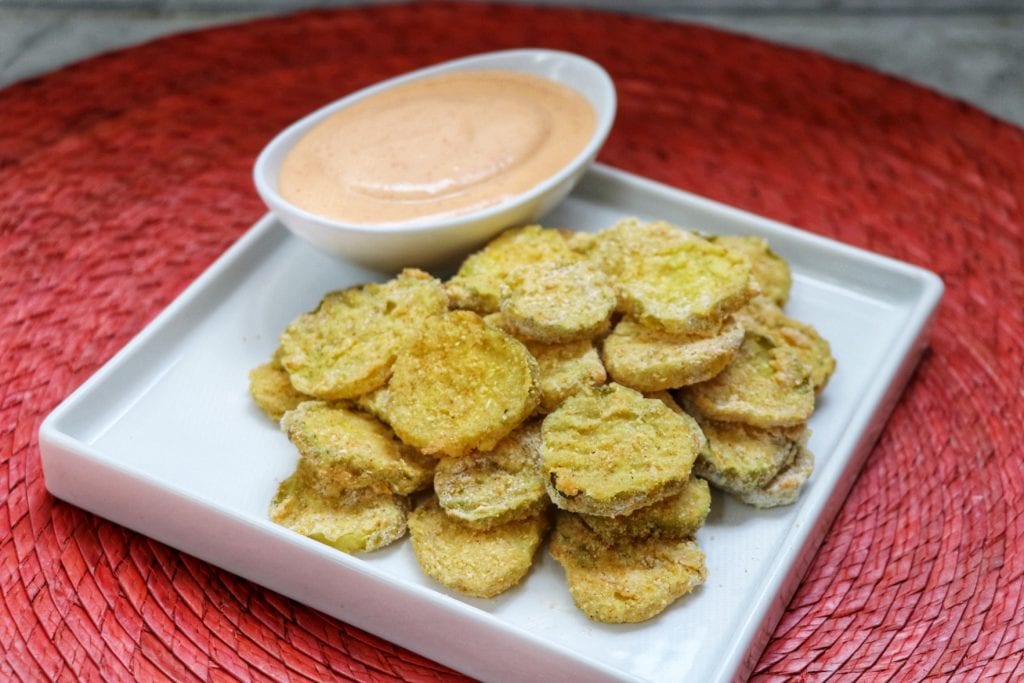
{"x": 438, "y": 146}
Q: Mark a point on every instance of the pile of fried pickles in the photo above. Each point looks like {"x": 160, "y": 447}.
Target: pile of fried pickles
{"x": 587, "y": 384}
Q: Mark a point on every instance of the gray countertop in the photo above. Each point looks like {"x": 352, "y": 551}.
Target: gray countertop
{"x": 973, "y": 51}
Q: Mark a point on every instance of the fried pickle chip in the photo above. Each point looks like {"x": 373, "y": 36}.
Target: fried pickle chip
{"x": 765, "y": 385}
{"x": 557, "y": 303}
{"x": 810, "y": 347}
{"x": 564, "y": 368}
{"x": 477, "y": 285}
{"x": 342, "y": 449}
{"x": 502, "y": 485}
{"x": 744, "y": 458}
{"x": 478, "y": 562}
{"x": 769, "y": 270}
{"x": 462, "y": 385}
{"x": 608, "y": 451}
{"x": 675, "y": 517}
{"x": 648, "y": 359}
{"x": 672, "y": 279}
{"x": 359, "y": 521}
{"x": 375, "y": 403}
{"x": 346, "y": 346}
{"x": 785, "y": 488}
{"x": 272, "y": 390}
{"x": 624, "y": 582}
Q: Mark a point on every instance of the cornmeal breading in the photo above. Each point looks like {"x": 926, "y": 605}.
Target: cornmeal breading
{"x": 768, "y": 269}
{"x": 765, "y": 385}
{"x": 505, "y": 484}
{"x": 358, "y": 521}
{"x": 608, "y": 451}
{"x": 675, "y": 517}
{"x": 474, "y": 561}
{"x": 477, "y": 285}
{"x": 462, "y": 385}
{"x": 566, "y": 369}
{"x": 803, "y": 340}
{"x": 626, "y": 582}
{"x": 557, "y": 303}
{"x": 272, "y": 390}
{"x": 671, "y": 279}
{"x": 785, "y": 488}
{"x": 648, "y": 359}
{"x": 744, "y": 458}
{"x": 345, "y": 348}
{"x": 375, "y": 403}
{"x": 343, "y": 450}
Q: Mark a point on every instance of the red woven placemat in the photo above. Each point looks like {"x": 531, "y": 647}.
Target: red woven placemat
{"x": 123, "y": 177}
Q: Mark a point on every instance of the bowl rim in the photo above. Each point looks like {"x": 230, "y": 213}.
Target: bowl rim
{"x": 266, "y": 186}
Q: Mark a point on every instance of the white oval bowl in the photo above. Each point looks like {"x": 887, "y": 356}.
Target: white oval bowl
{"x": 432, "y": 241}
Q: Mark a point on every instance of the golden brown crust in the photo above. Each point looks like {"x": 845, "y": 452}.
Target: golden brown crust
{"x": 462, "y": 385}
{"x": 744, "y": 458}
{"x": 345, "y": 348}
{"x": 343, "y": 450}
{"x": 768, "y": 269}
{"x": 624, "y": 582}
{"x": 359, "y": 521}
{"x": 648, "y": 359}
{"x": 557, "y": 303}
{"x": 802, "y": 339}
{"x": 272, "y": 390}
{"x": 477, "y": 285}
{"x": 785, "y": 488}
{"x": 608, "y": 451}
{"x": 478, "y": 562}
{"x": 765, "y": 385}
{"x": 671, "y": 279}
{"x": 502, "y": 485}
{"x": 675, "y": 517}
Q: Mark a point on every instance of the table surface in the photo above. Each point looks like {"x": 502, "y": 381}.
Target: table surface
{"x": 123, "y": 177}
{"x": 972, "y": 51}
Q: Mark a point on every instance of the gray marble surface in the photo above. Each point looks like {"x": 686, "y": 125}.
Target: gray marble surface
{"x": 973, "y": 51}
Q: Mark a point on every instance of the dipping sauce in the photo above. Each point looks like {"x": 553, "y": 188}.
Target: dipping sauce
{"x": 438, "y": 146}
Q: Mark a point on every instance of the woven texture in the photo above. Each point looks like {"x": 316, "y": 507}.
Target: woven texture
{"x": 123, "y": 177}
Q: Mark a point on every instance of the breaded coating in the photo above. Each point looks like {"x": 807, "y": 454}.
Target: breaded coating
{"x": 359, "y": 521}
{"x": 565, "y": 369}
{"x": 345, "y": 348}
{"x": 477, "y": 285}
{"x": 649, "y": 359}
{"x": 672, "y": 279}
{"x": 462, "y": 385}
{"x": 478, "y": 562}
{"x": 675, "y": 517}
{"x": 608, "y": 451}
{"x": 342, "y": 449}
{"x": 502, "y": 485}
{"x": 744, "y": 458}
{"x": 785, "y": 488}
{"x": 625, "y": 582}
{"x": 810, "y": 347}
{"x": 765, "y": 385}
{"x": 769, "y": 270}
{"x": 557, "y": 303}
{"x": 272, "y": 390}
{"x": 375, "y": 403}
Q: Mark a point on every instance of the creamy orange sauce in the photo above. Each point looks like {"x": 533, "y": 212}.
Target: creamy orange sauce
{"x": 439, "y": 146}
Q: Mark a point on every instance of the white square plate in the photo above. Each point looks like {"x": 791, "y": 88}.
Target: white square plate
{"x": 165, "y": 440}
